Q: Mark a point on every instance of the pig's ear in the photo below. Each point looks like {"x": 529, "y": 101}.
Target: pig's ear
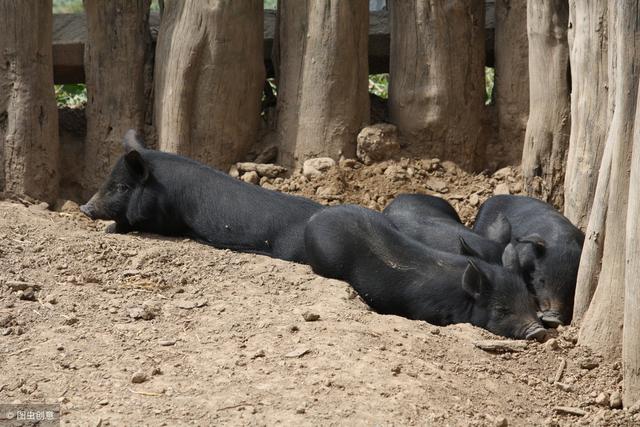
{"x": 474, "y": 282}
{"x": 537, "y": 243}
{"x": 466, "y": 249}
{"x": 500, "y": 230}
{"x": 137, "y": 165}
{"x": 132, "y": 141}
{"x": 510, "y": 259}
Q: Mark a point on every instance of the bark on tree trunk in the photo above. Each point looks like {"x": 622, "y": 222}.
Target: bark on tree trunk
{"x": 436, "y": 91}
{"x": 117, "y": 48}
{"x": 547, "y": 135}
{"x": 324, "y": 73}
{"x": 511, "y": 82}
{"x": 209, "y": 75}
{"x": 631, "y": 331}
{"x": 29, "y": 142}
{"x": 602, "y": 324}
{"x": 589, "y": 123}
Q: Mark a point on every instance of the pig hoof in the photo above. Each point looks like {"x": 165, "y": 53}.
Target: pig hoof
{"x": 537, "y": 334}
{"x": 111, "y": 228}
{"x": 550, "y": 321}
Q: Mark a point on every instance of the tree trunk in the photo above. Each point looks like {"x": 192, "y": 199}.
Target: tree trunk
{"x": 511, "y": 83}
{"x": 436, "y": 90}
{"x": 631, "y": 331}
{"x": 117, "y": 48}
{"x": 29, "y": 142}
{"x": 324, "y": 74}
{"x": 547, "y": 135}
{"x": 589, "y": 80}
{"x": 602, "y": 324}
{"x": 209, "y": 75}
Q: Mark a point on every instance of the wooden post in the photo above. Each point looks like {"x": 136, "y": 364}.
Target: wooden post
{"x": 29, "y": 141}
{"x": 324, "y": 77}
{"x": 547, "y": 135}
{"x": 436, "y": 88}
{"x": 209, "y": 75}
{"x": 116, "y": 51}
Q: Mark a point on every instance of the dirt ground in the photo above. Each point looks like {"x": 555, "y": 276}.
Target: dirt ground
{"x": 143, "y": 330}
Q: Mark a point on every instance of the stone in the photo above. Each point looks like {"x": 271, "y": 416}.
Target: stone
{"x": 615, "y": 400}
{"x": 233, "y": 172}
{"x": 67, "y": 206}
{"x": 377, "y": 142}
{"x": 602, "y": 399}
{"x": 500, "y": 421}
{"x": 298, "y": 352}
{"x": 246, "y": 167}
{"x": 139, "y": 377}
{"x": 501, "y": 189}
{"x": 474, "y": 200}
{"x": 250, "y": 177}
{"x": 316, "y": 167}
{"x": 552, "y": 344}
{"x": 310, "y": 317}
{"x": 503, "y": 173}
{"x": 589, "y": 364}
{"x": 270, "y": 170}
{"x": 437, "y": 185}
{"x": 268, "y": 155}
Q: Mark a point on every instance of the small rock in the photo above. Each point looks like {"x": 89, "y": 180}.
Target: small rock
{"x": 396, "y": 369}
{"x": 103, "y": 402}
{"x": 377, "y": 142}
{"x": 299, "y": 352}
{"x": 589, "y": 364}
{"x": 300, "y": 410}
{"x": 293, "y": 328}
{"x": 552, "y": 344}
{"x": 435, "y": 331}
{"x": 233, "y": 172}
{"x": 27, "y": 295}
{"x": 474, "y": 200}
{"x": 167, "y": 343}
{"x": 615, "y": 401}
{"x": 257, "y": 354}
{"x": 501, "y": 189}
{"x": 503, "y": 173}
{"x": 67, "y": 206}
{"x": 500, "y": 421}
{"x": 70, "y": 320}
{"x": 250, "y": 177}
{"x": 139, "y": 377}
{"x": 156, "y": 371}
{"x": 437, "y": 185}
{"x": 347, "y": 163}
{"x": 270, "y": 170}
{"x": 602, "y": 399}
{"x": 51, "y": 299}
{"x": 246, "y": 167}
{"x": 564, "y": 387}
{"x": 141, "y": 313}
{"x": 316, "y": 167}
{"x": 635, "y": 408}
{"x": 447, "y": 165}
{"x": 310, "y": 317}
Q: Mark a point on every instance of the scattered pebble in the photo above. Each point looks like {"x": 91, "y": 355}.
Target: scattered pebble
{"x": 589, "y": 364}
{"x": 298, "y": 352}
{"x": 139, "y": 377}
{"x": 166, "y": 343}
{"x": 310, "y": 316}
{"x": 615, "y": 400}
{"x": 602, "y": 399}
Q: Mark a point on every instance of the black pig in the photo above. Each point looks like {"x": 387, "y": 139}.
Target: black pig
{"x": 395, "y": 274}
{"x": 549, "y": 249}
{"x": 163, "y": 193}
{"x": 434, "y": 222}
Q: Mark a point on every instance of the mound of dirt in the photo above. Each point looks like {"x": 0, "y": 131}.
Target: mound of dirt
{"x": 143, "y": 330}
{"x": 376, "y": 185}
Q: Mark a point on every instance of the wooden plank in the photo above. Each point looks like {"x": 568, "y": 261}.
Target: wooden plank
{"x": 70, "y": 32}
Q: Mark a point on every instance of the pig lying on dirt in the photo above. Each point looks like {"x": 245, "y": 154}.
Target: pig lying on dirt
{"x": 163, "y": 193}
{"x": 396, "y": 274}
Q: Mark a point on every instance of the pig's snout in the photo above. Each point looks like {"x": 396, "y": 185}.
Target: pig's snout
{"x": 88, "y": 210}
{"x": 535, "y": 332}
{"x": 550, "y": 319}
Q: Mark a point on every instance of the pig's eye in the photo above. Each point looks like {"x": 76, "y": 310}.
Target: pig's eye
{"x": 122, "y": 188}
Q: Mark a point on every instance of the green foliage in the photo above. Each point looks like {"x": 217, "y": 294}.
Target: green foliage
{"x": 270, "y": 4}
{"x": 379, "y": 85}
{"x": 71, "y": 95}
{"x": 489, "y": 76}
{"x": 67, "y": 6}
